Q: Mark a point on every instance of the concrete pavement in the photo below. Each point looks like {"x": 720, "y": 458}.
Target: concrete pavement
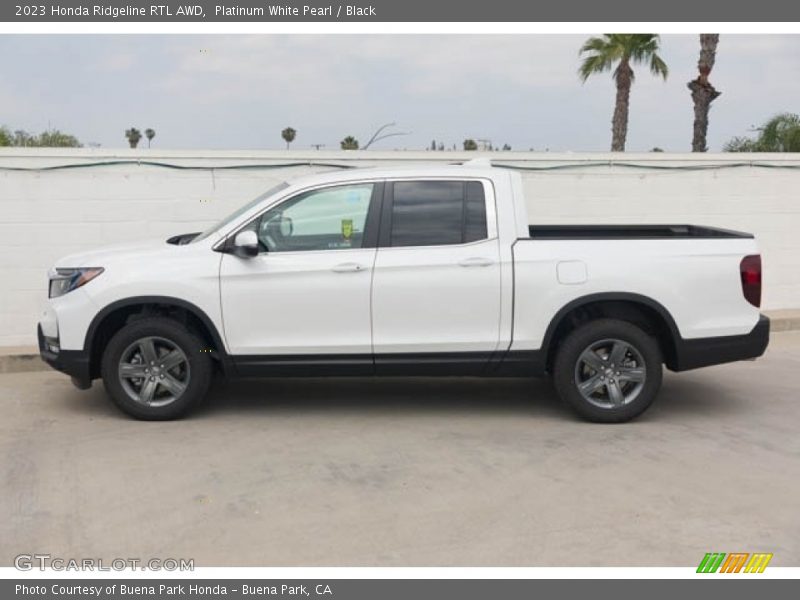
{"x": 408, "y": 472}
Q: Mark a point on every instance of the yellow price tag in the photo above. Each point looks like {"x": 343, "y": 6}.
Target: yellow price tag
{"x": 347, "y": 228}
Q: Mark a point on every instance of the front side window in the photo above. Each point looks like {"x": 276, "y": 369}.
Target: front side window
{"x": 331, "y": 218}
{"x": 436, "y": 213}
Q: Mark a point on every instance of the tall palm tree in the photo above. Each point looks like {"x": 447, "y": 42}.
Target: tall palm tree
{"x": 133, "y": 135}
{"x": 703, "y": 93}
{"x": 622, "y": 50}
{"x": 288, "y": 136}
{"x": 149, "y": 134}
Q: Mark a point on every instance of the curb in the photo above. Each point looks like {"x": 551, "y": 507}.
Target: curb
{"x": 22, "y": 363}
{"x": 27, "y": 360}
{"x": 784, "y": 320}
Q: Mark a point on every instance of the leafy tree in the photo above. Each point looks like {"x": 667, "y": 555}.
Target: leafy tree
{"x": 133, "y": 135}
{"x": 470, "y": 144}
{"x": 622, "y": 50}
{"x": 47, "y": 139}
{"x": 780, "y": 134}
{"x": 703, "y": 93}
{"x": 349, "y": 143}
{"x": 741, "y": 144}
{"x": 149, "y": 134}
{"x": 57, "y": 139}
{"x": 506, "y": 147}
{"x": 23, "y": 138}
{"x": 288, "y": 136}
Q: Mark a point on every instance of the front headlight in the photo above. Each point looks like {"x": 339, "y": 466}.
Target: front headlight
{"x": 63, "y": 281}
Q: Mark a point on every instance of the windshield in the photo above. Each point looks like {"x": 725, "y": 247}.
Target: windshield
{"x": 239, "y": 212}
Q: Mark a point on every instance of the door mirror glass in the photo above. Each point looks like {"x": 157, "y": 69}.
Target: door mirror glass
{"x": 245, "y": 244}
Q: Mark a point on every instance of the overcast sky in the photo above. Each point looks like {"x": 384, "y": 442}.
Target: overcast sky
{"x": 221, "y": 91}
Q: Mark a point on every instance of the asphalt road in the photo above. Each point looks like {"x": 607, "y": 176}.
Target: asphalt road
{"x": 408, "y": 472}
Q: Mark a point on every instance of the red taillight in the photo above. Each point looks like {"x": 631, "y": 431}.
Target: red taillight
{"x": 750, "y": 270}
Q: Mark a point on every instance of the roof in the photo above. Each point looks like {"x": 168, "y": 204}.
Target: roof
{"x": 476, "y": 168}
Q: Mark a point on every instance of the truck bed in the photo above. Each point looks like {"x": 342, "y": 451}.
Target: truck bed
{"x": 632, "y": 232}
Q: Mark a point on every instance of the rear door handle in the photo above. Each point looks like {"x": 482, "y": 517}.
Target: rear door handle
{"x": 476, "y": 261}
{"x": 349, "y": 267}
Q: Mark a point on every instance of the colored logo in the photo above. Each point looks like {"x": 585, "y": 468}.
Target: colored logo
{"x": 735, "y": 562}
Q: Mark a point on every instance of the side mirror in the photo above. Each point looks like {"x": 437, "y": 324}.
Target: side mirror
{"x": 245, "y": 244}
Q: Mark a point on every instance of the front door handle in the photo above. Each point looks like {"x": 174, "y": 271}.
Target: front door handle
{"x": 476, "y": 261}
{"x": 349, "y": 267}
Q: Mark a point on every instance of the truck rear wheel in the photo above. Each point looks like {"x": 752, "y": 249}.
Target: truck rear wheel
{"x": 608, "y": 370}
{"x": 155, "y": 369}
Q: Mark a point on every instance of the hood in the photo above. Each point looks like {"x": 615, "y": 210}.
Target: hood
{"x": 100, "y": 257}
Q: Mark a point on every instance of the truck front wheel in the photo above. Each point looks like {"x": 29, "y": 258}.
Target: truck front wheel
{"x": 155, "y": 369}
{"x": 608, "y": 370}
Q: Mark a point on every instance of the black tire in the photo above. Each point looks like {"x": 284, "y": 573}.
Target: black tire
{"x": 570, "y": 368}
{"x": 194, "y": 372}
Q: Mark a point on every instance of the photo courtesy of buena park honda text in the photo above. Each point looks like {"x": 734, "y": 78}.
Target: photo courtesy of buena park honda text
{"x": 399, "y": 300}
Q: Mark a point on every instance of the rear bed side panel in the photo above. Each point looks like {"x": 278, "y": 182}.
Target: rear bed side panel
{"x": 696, "y": 280}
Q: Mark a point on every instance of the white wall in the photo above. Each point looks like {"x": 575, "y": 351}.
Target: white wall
{"x": 46, "y": 214}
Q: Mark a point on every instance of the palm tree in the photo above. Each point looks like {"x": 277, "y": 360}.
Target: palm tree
{"x": 703, "y": 93}
{"x": 149, "y": 134}
{"x": 780, "y": 134}
{"x": 133, "y": 135}
{"x": 349, "y": 143}
{"x": 622, "y": 50}
{"x": 288, "y": 136}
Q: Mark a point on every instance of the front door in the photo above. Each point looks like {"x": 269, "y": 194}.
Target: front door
{"x": 304, "y": 300}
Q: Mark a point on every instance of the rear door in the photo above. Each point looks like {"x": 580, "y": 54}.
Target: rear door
{"x": 436, "y": 283}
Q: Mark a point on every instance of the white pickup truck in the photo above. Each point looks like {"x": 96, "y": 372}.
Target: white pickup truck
{"x": 414, "y": 271}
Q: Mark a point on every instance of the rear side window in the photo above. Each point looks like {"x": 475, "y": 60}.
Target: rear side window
{"x": 474, "y": 212}
{"x": 436, "y": 213}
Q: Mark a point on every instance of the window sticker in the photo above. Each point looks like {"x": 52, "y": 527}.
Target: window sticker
{"x": 347, "y": 229}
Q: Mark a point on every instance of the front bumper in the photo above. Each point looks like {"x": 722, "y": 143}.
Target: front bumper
{"x": 74, "y": 363}
{"x": 702, "y": 352}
